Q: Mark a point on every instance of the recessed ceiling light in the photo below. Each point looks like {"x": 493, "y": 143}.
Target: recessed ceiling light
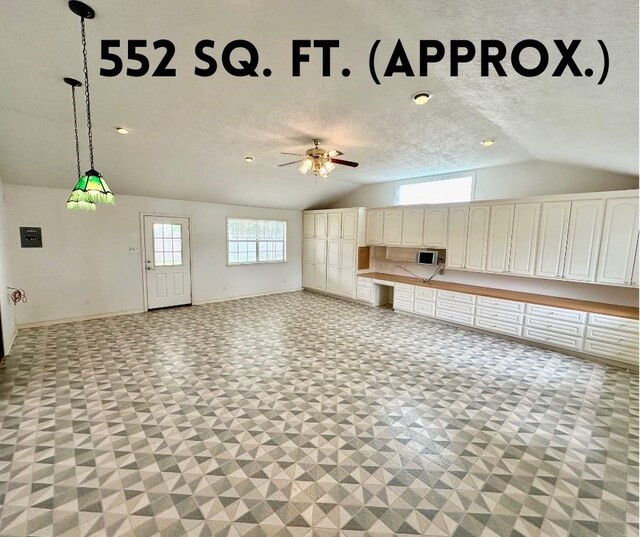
{"x": 122, "y": 130}
{"x": 248, "y": 159}
{"x": 422, "y": 97}
{"x": 488, "y": 142}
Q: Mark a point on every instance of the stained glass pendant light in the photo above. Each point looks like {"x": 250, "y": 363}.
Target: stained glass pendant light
{"x": 91, "y": 187}
{"x": 77, "y": 205}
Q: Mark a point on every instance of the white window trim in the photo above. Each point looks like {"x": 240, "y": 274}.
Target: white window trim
{"x": 432, "y": 178}
{"x": 256, "y": 262}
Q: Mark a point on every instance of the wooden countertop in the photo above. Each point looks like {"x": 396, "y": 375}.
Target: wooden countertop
{"x": 544, "y": 300}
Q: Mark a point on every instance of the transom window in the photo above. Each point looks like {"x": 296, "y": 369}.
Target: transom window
{"x": 442, "y": 189}
{"x": 256, "y": 241}
{"x": 167, "y": 245}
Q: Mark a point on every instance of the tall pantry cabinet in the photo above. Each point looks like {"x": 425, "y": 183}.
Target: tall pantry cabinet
{"x": 330, "y": 249}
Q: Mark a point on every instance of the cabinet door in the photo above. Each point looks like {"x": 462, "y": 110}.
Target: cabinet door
{"x": 457, "y": 236}
{"x": 308, "y": 227}
{"x": 476, "y": 255}
{"x": 392, "y": 228}
{"x": 333, "y": 253}
{"x": 348, "y": 255}
{"x": 500, "y": 229}
{"x": 434, "y": 234}
{"x": 619, "y": 240}
{"x": 333, "y": 280}
{"x": 320, "y": 225}
{"x": 320, "y": 277}
{"x": 320, "y": 257}
{"x": 634, "y": 275}
{"x": 347, "y": 282}
{"x": 412, "y": 221}
{"x": 583, "y": 240}
{"x": 308, "y": 275}
{"x": 308, "y": 251}
{"x": 524, "y": 237}
{"x": 350, "y": 225}
{"x": 552, "y": 239}
{"x": 375, "y": 221}
{"x": 335, "y": 225}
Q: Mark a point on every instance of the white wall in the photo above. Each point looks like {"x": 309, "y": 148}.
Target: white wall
{"x": 535, "y": 178}
{"x": 6, "y": 306}
{"x": 85, "y": 267}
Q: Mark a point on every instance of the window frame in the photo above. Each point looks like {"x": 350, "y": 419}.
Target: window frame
{"x": 257, "y": 261}
{"x": 434, "y": 178}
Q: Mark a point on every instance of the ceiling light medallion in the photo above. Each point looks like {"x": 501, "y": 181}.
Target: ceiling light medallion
{"x": 488, "y": 142}
{"x": 422, "y": 97}
{"x": 317, "y": 161}
{"x": 91, "y": 187}
{"x": 77, "y": 205}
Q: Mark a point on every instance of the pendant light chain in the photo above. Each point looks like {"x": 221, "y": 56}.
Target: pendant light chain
{"x": 86, "y": 90}
{"x": 75, "y": 127}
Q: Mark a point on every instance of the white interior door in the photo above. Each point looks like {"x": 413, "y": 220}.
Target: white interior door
{"x": 167, "y": 261}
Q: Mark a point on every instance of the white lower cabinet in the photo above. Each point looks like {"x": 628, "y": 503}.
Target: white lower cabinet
{"x": 333, "y": 280}
{"x": 320, "y": 277}
{"x": 403, "y": 297}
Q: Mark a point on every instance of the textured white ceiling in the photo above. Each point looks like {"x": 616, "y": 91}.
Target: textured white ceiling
{"x": 189, "y": 135}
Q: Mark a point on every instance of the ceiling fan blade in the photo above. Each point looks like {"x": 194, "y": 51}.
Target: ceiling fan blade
{"x": 289, "y": 163}
{"x": 294, "y": 154}
{"x": 344, "y": 162}
{"x": 335, "y": 153}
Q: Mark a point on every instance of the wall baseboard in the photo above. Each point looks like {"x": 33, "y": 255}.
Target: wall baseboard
{"x": 226, "y": 299}
{"x": 77, "y": 319}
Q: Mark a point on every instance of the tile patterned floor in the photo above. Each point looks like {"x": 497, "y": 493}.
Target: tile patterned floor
{"x": 303, "y": 415}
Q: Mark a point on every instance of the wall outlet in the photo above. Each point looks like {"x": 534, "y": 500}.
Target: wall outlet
{"x": 133, "y": 249}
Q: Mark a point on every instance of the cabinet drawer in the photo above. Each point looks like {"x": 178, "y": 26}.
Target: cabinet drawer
{"x": 404, "y": 287}
{"x": 364, "y": 294}
{"x": 403, "y": 305}
{"x": 384, "y": 282}
{"x": 614, "y": 323}
{"x": 452, "y": 296}
{"x": 402, "y": 295}
{"x": 455, "y": 306}
{"x": 559, "y": 340}
{"x": 499, "y": 304}
{"x": 497, "y": 326}
{"x": 456, "y": 317}
{"x": 612, "y": 337}
{"x": 610, "y": 351}
{"x": 365, "y": 283}
{"x": 425, "y": 293}
{"x": 554, "y": 326}
{"x": 510, "y": 317}
{"x": 549, "y": 313}
{"x": 423, "y": 307}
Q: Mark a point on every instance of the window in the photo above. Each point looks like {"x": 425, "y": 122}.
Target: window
{"x": 167, "y": 245}
{"x": 442, "y": 189}
{"x": 256, "y": 241}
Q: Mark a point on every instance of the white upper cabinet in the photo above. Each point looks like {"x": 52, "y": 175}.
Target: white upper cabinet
{"x": 500, "y": 229}
{"x": 375, "y": 220}
{"x": 552, "y": 239}
{"x": 350, "y": 225}
{"x": 320, "y": 225}
{"x": 476, "y": 254}
{"x": 457, "y": 236}
{"x": 348, "y": 255}
{"x": 619, "y": 241}
{"x": 392, "y": 227}
{"x": 434, "y": 234}
{"x": 412, "y": 220}
{"x": 320, "y": 249}
{"x": 583, "y": 240}
{"x": 308, "y": 227}
{"x": 308, "y": 251}
{"x": 523, "y": 238}
{"x": 334, "y": 225}
{"x": 333, "y": 253}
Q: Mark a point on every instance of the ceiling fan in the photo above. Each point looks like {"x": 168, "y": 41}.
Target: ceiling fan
{"x": 319, "y": 161}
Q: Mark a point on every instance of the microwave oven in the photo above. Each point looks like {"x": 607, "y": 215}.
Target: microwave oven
{"x": 427, "y": 257}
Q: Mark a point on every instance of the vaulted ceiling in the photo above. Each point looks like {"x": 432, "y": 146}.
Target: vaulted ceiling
{"x": 189, "y": 135}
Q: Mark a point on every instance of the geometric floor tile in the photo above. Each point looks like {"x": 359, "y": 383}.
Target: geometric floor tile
{"x": 305, "y": 415}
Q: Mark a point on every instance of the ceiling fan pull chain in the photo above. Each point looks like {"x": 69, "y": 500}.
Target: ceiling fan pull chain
{"x": 86, "y": 90}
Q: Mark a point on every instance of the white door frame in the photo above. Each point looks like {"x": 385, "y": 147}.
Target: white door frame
{"x": 143, "y": 243}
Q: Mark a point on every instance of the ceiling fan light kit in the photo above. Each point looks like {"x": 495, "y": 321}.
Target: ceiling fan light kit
{"x": 91, "y": 188}
{"x": 319, "y": 161}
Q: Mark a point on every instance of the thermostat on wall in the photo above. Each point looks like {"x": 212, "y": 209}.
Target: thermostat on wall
{"x": 31, "y": 237}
